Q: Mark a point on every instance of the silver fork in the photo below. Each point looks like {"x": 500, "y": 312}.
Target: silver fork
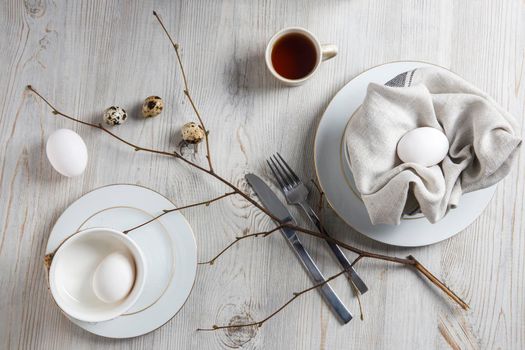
{"x": 296, "y": 193}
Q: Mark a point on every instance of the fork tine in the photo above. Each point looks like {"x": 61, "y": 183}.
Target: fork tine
{"x": 292, "y": 173}
{"x": 290, "y": 178}
{"x": 277, "y": 177}
{"x": 281, "y": 175}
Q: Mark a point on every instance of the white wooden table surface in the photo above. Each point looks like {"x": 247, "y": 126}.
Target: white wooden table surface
{"x": 88, "y": 55}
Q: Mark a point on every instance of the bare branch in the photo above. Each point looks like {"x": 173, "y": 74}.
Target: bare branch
{"x": 409, "y": 261}
{"x": 167, "y": 211}
{"x": 176, "y": 47}
{"x": 261, "y": 322}
{"x": 419, "y": 267}
{"x": 237, "y": 240}
{"x": 358, "y": 296}
{"x": 100, "y": 127}
{"x": 356, "y": 290}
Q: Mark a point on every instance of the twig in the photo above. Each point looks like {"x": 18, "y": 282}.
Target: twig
{"x": 358, "y": 297}
{"x": 237, "y": 240}
{"x": 438, "y": 283}
{"x": 363, "y": 253}
{"x": 409, "y": 261}
{"x": 356, "y": 260}
{"x": 100, "y": 127}
{"x": 261, "y": 322}
{"x": 320, "y": 213}
{"x": 187, "y": 90}
{"x": 356, "y": 291}
{"x": 167, "y": 211}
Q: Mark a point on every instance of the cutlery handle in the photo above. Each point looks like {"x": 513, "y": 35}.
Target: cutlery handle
{"x": 317, "y": 277}
{"x": 339, "y": 254}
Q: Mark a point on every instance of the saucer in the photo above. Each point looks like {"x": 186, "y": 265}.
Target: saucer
{"x": 336, "y": 179}
{"x": 168, "y": 246}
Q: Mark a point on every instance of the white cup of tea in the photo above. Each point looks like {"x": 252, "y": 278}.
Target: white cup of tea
{"x": 294, "y": 54}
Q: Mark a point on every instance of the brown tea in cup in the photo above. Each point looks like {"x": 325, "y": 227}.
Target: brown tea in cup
{"x": 294, "y": 56}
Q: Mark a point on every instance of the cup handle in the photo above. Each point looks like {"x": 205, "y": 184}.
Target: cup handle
{"x": 328, "y": 51}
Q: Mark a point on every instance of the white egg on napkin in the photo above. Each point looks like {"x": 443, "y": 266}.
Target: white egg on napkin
{"x": 480, "y": 144}
{"x": 114, "y": 277}
{"x": 425, "y": 146}
{"x": 67, "y": 152}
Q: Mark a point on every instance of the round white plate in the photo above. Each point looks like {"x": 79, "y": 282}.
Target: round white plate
{"x": 168, "y": 246}
{"x": 336, "y": 179}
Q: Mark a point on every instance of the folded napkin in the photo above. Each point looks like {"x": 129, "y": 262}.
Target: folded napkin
{"x": 482, "y": 137}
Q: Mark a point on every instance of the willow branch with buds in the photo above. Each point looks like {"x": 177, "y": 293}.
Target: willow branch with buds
{"x": 409, "y": 261}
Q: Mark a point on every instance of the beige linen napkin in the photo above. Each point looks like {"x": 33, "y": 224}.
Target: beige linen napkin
{"x": 482, "y": 137}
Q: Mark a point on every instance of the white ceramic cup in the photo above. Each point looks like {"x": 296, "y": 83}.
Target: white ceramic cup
{"x": 71, "y": 273}
{"x": 324, "y": 52}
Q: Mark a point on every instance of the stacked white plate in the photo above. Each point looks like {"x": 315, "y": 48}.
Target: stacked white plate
{"x": 336, "y": 179}
{"x": 168, "y": 246}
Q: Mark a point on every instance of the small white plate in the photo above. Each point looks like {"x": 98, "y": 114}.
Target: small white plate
{"x": 168, "y": 246}
{"x": 336, "y": 179}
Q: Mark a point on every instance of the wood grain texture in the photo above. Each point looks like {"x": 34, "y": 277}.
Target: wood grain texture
{"x": 88, "y": 55}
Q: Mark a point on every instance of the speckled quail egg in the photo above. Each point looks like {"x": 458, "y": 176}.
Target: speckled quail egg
{"x": 192, "y": 133}
{"x": 152, "y": 106}
{"x": 115, "y": 115}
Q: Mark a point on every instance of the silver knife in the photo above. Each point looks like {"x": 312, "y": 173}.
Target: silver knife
{"x": 271, "y": 202}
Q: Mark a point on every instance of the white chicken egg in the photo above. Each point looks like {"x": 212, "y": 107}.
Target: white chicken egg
{"x": 425, "y": 146}
{"x": 114, "y": 277}
{"x": 67, "y": 152}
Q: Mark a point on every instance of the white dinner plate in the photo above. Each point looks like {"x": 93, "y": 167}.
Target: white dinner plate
{"x": 336, "y": 179}
{"x": 168, "y": 246}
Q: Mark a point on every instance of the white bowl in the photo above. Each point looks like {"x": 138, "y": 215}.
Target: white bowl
{"x": 72, "y": 268}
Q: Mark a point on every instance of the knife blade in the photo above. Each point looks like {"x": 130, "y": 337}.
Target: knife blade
{"x": 271, "y": 202}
